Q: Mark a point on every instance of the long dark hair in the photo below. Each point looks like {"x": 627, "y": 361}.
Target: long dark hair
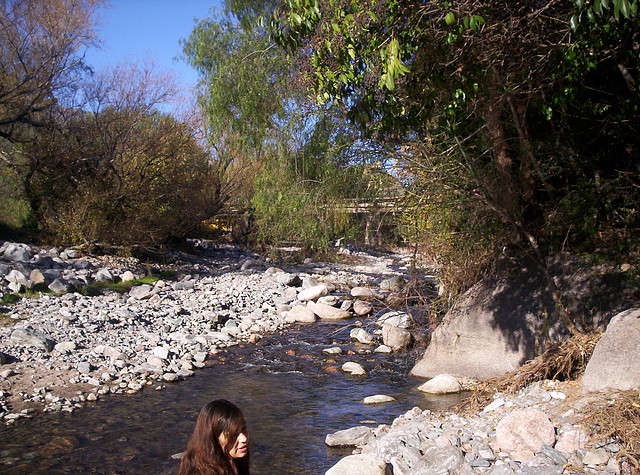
{"x": 204, "y": 454}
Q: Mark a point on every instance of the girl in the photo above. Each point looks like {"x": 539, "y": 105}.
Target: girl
{"x": 219, "y": 443}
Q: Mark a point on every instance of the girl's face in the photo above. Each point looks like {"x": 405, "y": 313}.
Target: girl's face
{"x": 238, "y": 448}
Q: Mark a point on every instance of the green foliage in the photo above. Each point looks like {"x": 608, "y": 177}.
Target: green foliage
{"x": 293, "y": 163}
{"x": 97, "y": 288}
{"x": 244, "y": 79}
{"x": 287, "y": 212}
{"x": 9, "y": 299}
{"x": 15, "y": 212}
{"x": 508, "y": 117}
{"x": 97, "y": 182}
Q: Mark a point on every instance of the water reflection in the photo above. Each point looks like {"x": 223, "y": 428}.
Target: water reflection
{"x": 289, "y": 401}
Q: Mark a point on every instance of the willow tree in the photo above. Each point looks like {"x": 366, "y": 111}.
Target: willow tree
{"x": 292, "y": 160}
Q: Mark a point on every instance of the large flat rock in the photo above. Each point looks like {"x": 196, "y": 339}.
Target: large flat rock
{"x": 494, "y": 328}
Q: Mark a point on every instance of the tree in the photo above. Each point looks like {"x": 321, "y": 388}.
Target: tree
{"x": 483, "y": 91}
{"x": 507, "y": 118}
{"x": 119, "y": 171}
{"x": 41, "y": 43}
{"x": 290, "y": 153}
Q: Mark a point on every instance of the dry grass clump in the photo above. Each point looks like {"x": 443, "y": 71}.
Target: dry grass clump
{"x": 618, "y": 417}
{"x": 563, "y": 361}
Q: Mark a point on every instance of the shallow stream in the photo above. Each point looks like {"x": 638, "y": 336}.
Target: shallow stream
{"x": 291, "y": 393}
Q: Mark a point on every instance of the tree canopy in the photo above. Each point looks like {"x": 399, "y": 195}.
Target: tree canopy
{"x": 508, "y": 115}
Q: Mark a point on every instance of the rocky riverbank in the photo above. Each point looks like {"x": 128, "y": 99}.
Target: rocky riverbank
{"x": 537, "y": 431}
{"x": 59, "y": 351}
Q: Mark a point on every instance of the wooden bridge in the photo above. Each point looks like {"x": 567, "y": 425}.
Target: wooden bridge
{"x": 375, "y": 213}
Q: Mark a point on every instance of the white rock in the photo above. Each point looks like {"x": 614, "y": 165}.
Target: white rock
{"x": 313, "y": 293}
{"x": 382, "y": 349}
{"x": 155, "y": 361}
{"x": 327, "y": 312}
{"x": 365, "y": 293}
{"x": 301, "y": 313}
{"x": 362, "y": 308}
{"x": 360, "y": 464}
{"x": 358, "y": 435}
{"x": 494, "y": 405}
{"x": 355, "y": 369}
{"x": 361, "y": 335}
{"x": 335, "y": 350}
{"x": 65, "y": 346}
{"x": 127, "y": 276}
{"x": 330, "y": 300}
{"x": 441, "y": 384}
{"x": 397, "y": 319}
{"x": 396, "y": 338}
{"x": 378, "y": 399}
{"x": 161, "y": 352}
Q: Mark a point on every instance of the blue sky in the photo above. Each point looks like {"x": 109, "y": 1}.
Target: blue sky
{"x": 141, "y": 30}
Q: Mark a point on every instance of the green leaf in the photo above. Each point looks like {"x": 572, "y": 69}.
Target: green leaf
{"x": 450, "y": 18}
{"x": 597, "y": 6}
{"x": 625, "y": 8}
{"x": 389, "y": 82}
{"x": 573, "y": 22}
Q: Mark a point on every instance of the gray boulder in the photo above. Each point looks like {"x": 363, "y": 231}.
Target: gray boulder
{"x": 615, "y": 363}
{"x": 31, "y": 337}
{"x": 509, "y": 317}
{"x": 491, "y": 330}
{"x": 103, "y": 275}
{"x": 442, "y": 461}
{"x": 59, "y": 286}
{"x": 52, "y": 274}
{"x": 4, "y": 269}
{"x": 18, "y": 281}
{"x": 17, "y": 252}
{"x": 393, "y": 284}
{"x": 358, "y": 435}
{"x": 396, "y": 338}
{"x": 141, "y": 292}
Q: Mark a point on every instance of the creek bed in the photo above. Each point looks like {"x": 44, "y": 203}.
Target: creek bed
{"x": 291, "y": 393}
